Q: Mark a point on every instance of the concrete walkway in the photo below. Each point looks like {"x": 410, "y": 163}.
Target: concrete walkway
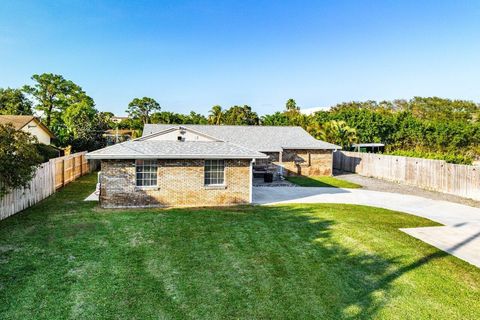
{"x": 460, "y": 236}
{"x": 375, "y": 184}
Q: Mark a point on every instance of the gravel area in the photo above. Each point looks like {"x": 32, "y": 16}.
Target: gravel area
{"x": 388, "y": 186}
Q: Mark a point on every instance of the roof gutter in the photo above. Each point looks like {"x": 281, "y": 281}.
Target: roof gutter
{"x": 313, "y": 148}
{"x": 154, "y": 156}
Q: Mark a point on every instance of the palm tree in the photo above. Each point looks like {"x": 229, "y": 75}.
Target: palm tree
{"x": 339, "y": 132}
{"x": 316, "y": 130}
{"x": 291, "y": 105}
{"x": 216, "y": 115}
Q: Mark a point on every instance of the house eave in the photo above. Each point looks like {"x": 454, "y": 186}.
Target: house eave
{"x": 171, "y": 157}
{"x": 312, "y": 148}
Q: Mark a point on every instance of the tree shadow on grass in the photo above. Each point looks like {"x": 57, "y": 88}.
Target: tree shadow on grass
{"x": 356, "y": 285}
{"x": 305, "y": 181}
{"x": 350, "y": 283}
{"x": 250, "y": 262}
{"x": 277, "y": 262}
{"x": 372, "y": 274}
{"x": 235, "y": 262}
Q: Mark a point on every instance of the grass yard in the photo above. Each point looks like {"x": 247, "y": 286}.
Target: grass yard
{"x": 66, "y": 258}
{"x": 322, "y": 181}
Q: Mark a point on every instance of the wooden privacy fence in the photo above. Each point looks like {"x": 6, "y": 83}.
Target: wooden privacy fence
{"x": 436, "y": 175}
{"x": 69, "y": 168}
{"x": 49, "y": 177}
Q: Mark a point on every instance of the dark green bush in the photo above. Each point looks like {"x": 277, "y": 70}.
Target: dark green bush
{"x": 47, "y": 152}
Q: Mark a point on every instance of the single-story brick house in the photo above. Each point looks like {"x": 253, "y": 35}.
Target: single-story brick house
{"x": 203, "y": 165}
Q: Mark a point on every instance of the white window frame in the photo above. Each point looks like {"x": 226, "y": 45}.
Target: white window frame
{"x": 143, "y": 164}
{"x": 209, "y": 162}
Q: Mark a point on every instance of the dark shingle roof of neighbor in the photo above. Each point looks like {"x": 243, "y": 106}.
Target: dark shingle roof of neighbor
{"x": 258, "y": 138}
{"x": 145, "y": 149}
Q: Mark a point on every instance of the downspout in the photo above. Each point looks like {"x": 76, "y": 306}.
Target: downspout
{"x": 333, "y": 160}
{"x": 280, "y": 165}
{"x": 250, "y": 200}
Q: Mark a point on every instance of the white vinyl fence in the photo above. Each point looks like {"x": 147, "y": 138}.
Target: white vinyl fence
{"x": 436, "y": 175}
{"x": 49, "y": 177}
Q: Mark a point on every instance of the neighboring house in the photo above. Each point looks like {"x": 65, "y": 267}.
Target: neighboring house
{"x": 311, "y": 111}
{"x": 196, "y": 165}
{"x": 369, "y": 147}
{"x": 113, "y": 136}
{"x": 118, "y": 119}
{"x": 31, "y": 125}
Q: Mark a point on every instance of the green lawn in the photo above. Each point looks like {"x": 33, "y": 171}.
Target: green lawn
{"x": 65, "y": 258}
{"x": 323, "y": 181}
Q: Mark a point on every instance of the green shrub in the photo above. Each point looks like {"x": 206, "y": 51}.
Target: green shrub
{"x": 18, "y": 158}
{"x": 47, "y": 152}
{"x": 448, "y": 157}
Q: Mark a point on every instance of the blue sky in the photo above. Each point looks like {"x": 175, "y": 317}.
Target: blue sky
{"x": 190, "y": 55}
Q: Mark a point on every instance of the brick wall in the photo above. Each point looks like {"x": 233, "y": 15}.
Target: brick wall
{"x": 308, "y": 162}
{"x": 180, "y": 183}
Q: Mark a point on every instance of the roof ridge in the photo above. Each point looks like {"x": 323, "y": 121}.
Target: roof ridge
{"x": 255, "y": 137}
{"x": 223, "y": 125}
{"x": 177, "y": 127}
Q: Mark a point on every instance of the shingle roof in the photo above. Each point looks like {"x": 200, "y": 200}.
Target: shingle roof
{"x": 259, "y": 138}
{"x": 138, "y": 149}
{"x": 19, "y": 122}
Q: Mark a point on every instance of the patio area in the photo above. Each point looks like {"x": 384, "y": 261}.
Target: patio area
{"x": 259, "y": 182}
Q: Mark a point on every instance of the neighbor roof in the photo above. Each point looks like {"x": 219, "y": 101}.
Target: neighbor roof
{"x": 360, "y": 145}
{"x": 155, "y": 149}
{"x": 19, "y": 122}
{"x": 259, "y": 138}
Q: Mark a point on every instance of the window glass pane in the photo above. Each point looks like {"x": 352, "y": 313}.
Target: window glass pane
{"x": 146, "y": 172}
{"x": 214, "y": 172}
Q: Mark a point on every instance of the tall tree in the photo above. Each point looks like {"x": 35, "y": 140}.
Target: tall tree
{"x": 142, "y": 108}
{"x": 18, "y": 158}
{"x": 167, "y": 117}
{"x": 241, "y": 115}
{"x": 53, "y": 94}
{"x": 276, "y": 119}
{"x": 14, "y": 102}
{"x": 291, "y": 105}
{"x": 338, "y": 132}
{"x": 216, "y": 115}
{"x": 85, "y": 127}
{"x": 79, "y": 119}
{"x": 195, "y": 118}
{"x": 295, "y": 118}
{"x": 443, "y": 109}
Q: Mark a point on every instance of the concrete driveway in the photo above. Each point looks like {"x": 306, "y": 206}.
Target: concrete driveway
{"x": 460, "y": 235}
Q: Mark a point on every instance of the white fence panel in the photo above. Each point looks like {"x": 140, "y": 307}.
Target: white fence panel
{"x": 48, "y": 177}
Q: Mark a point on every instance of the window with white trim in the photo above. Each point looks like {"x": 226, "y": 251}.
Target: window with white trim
{"x": 146, "y": 173}
{"x": 214, "y": 172}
